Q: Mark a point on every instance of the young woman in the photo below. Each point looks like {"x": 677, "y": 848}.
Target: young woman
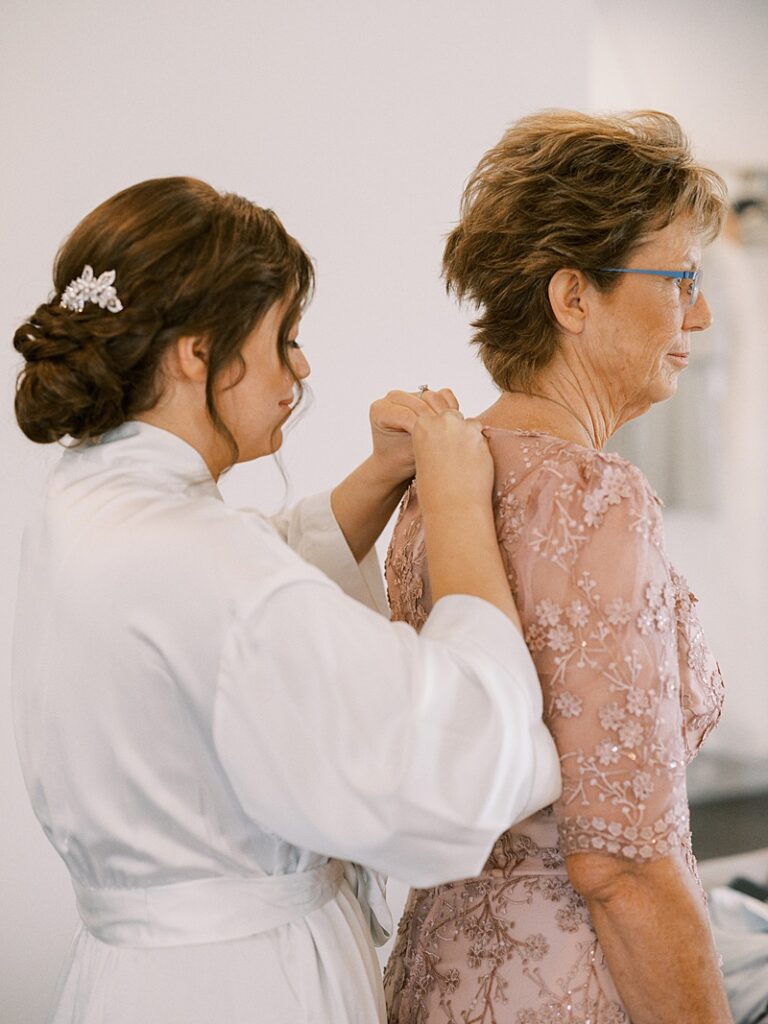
{"x": 213, "y": 733}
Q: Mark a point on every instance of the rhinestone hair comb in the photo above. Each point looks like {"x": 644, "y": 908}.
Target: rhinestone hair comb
{"x": 89, "y": 288}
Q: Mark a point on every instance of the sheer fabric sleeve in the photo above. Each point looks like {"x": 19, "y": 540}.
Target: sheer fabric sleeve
{"x": 359, "y": 739}
{"x": 599, "y": 610}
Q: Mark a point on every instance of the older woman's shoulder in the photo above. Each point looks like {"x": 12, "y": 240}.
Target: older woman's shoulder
{"x": 592, "y": 471}
{"x": 537, "y": 457}
{"x": 602, "y": 489}
{"x": 541, "y": 479}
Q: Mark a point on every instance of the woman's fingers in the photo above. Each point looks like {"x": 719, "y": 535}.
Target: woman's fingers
{"x": 408, "y": 399}
{"x": 396, "y": 418}
{"x": 440, "y": 400}
{"x": 453, "y": 461}
{"x": 388, "y": 417}
{"x": 399, "y": 410}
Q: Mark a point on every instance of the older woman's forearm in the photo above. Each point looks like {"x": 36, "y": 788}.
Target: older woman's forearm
{"x": 653, "y": 928}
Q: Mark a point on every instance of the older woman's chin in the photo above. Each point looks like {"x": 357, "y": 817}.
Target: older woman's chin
{"x": 663, "y": 388}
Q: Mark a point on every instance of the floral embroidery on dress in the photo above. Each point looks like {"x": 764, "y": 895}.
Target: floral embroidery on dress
{"x": 630, "y": 692}
{"x": 481, "y": 918}
{"x": 403, "y": 569}
{"x": 614, "y": 486}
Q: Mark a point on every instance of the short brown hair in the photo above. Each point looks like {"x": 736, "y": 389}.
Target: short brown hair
{"x": 565, "y": 189}
{"x": 188, "y": 260}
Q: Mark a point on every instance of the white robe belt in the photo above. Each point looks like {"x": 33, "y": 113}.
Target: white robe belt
{"x": 206, "y": 909}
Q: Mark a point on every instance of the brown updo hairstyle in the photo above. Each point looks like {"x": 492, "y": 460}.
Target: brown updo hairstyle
{"x": 564, "y": 189}
{"x": 189, "y": 261}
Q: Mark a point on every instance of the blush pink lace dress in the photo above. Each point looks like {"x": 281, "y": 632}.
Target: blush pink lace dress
{"x": 630, "y": 691}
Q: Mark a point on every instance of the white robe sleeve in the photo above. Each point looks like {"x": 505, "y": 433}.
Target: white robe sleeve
{"x": 310, "y": 528}
{"x": 359, "y": 739}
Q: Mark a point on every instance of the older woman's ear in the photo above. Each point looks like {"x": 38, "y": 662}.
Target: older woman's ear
{"x": 566, "y": 291}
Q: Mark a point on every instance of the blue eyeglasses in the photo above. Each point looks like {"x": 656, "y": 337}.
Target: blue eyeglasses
{"x": 694, "y": 276}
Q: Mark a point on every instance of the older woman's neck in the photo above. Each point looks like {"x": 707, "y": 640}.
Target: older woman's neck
{"x": 566, "y": 401}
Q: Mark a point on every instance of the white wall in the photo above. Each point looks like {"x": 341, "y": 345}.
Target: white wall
{"x": 702, "y": 60}
{"x": 705, "y": 62}
{"x": 358, "y": 122}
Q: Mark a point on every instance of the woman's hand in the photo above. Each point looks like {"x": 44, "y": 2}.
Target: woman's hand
{"x": 393, "y": 419}
{"x": 453, "y": 462}
{"x": 454, "y": 475}
{"x": 365, "y": 500}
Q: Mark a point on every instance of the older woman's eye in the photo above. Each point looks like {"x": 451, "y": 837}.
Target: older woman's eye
{"x": 683, "y": 285}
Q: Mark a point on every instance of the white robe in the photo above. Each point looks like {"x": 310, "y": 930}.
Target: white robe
{"x": 212, "y": 732}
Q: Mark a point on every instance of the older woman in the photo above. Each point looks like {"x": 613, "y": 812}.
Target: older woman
{"x": 580, "y": 241}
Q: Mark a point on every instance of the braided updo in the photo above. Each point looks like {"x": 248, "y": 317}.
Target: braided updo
{"x": 188, "y": 260}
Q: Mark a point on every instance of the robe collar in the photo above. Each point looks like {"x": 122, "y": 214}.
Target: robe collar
{"x": 151, "y": 453}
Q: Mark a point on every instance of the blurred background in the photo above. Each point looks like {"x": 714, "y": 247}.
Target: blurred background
{"x": 358, "y": 123}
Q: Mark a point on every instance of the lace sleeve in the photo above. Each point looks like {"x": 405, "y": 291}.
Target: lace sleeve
{"x": 598, "y": 604}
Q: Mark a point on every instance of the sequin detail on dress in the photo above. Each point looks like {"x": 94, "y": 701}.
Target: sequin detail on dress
{"x": 630, "y": 691}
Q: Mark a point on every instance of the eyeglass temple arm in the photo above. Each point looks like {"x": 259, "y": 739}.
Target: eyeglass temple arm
{"x": 682, "y": 275}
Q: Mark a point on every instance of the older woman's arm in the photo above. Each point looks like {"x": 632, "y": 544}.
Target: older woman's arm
{"x": 654, "y": 931}
{"x": 629, "y": 690}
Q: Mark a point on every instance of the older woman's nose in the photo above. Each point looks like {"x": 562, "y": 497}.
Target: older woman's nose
{"x": 699, "y": 315}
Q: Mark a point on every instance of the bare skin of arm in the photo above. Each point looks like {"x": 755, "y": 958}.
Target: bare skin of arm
{"x": 363, "y": 504}
{"x": 653, "y": 928}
